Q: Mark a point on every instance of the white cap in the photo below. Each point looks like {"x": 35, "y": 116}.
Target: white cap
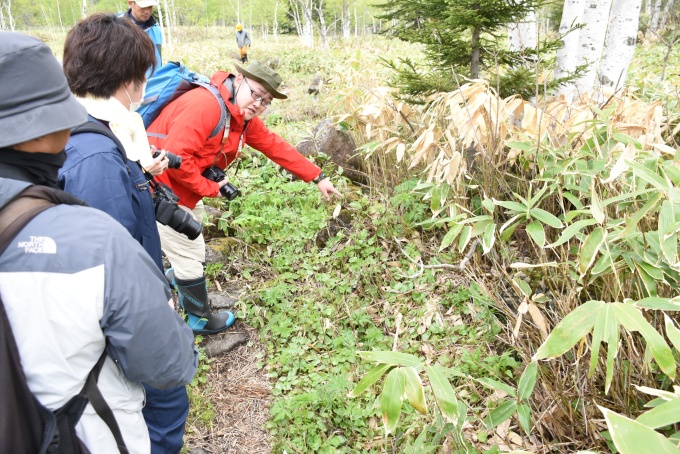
{"x": 146, "y": 3}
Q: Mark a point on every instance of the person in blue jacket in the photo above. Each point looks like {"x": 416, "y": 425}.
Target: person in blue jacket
{"x": 141, "y": 13}
{"x": 73, "y": 282}
{"x": 111, "y": 179}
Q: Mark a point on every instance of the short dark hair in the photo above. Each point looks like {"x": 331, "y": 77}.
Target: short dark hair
{"x": 103, "y": 51}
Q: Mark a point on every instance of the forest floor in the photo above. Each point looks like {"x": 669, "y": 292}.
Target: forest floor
{"x": 238, "y": 386}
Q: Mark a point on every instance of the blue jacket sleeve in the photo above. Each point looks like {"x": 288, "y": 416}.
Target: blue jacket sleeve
{"x": 95, "y": 172}
{"x": 148, "y": 340}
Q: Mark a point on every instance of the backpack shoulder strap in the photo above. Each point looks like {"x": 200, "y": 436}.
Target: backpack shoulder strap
{"x": 225, "y": 116}
{"x": 98, "y": 128}
{"x": 25, "y": 206}
{"x": 37, "y": 421}
{"x": 101, "y": 407}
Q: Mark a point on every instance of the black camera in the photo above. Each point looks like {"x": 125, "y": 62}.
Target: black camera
{"x": 174, "y": 161}
{"x": 170, "y": 214}
{"x": 228, "y": 191}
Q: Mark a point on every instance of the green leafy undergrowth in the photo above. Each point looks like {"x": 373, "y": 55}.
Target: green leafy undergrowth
{"x": 316, "y": 308}
{"x": 202, "y": 412}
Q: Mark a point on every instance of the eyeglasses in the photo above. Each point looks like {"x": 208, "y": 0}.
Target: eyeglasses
{"x": 257, "y": 97}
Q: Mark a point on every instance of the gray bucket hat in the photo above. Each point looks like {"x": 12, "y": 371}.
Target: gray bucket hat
{"x": 34, "y": 96}
{"x": 266, "y": 76}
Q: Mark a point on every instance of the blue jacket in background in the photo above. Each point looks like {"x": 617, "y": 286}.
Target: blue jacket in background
{"x": 152, "y": 29}
{"x": 97, "y": 172}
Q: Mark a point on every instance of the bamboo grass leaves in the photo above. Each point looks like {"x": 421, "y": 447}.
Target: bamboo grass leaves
{"x": 403, "y": 382}
{"x": 604, "y": 321}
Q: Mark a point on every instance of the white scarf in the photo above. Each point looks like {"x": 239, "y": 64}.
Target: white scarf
{"x": 127, "y": 126}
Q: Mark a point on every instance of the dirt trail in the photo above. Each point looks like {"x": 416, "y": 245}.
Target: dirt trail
{"x": 239, "y": 390}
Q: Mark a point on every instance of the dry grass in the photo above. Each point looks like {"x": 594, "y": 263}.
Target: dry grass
{"x": 240, "y": 392}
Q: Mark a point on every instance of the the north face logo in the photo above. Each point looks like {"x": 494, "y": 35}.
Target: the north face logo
{"x": 39, "y": 245}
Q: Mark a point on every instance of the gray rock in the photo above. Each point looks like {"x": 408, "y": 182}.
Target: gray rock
{"x": 272, "y": 62}
{"x": 339, "y": 146}
{"x": 198, "y": 451}
{"x": 217, "y": 249}
{"x": 217, "y": 347}
{"x": 224, "y": 300}
{"x": 315, "y": 86}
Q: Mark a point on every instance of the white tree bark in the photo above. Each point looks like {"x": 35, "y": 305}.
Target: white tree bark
{"x": 302, "y": 14}
{"x": 356, "y": 22}
{"x": 276, "y": 22}
{"x": 619, "y": 45}
{"x": 591, "y": 42}
{"x": 7, "y": 22}
{"x": 166, "y": 24}
{"x": 522, "y": 35}
{"x": 322, "y": 29}
{"x": 84, "y": 9}
{"x": 655, "y": 15}
{"x": 345, "y": 20}
{"x": 666, "y": 13}
{"x": 566, "y": 55}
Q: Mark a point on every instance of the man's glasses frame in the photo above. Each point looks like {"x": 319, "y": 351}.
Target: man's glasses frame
{"x": 257, "y": 97}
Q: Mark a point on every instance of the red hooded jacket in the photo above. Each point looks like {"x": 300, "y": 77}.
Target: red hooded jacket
{"x": 187, "y": 123}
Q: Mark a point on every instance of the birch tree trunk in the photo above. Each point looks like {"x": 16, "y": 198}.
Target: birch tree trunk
{"x": 307, "y": 37}
{"x": 666, "y": 13}
{"x": 84, "y": 9}
{"x": 168, "y": 25}
{"x": 9, "y": 21}
{"x": 522, "y": 35}
{"x": 295, "y": 14}
{"x": 275, "y": 27}
{"x": 345, "y": 20}
{"x": 161, "y": 23}
{"x": 655, "y": 15}
{"x": 303, "y": 21}
{"x": 591, "y": 42}
{"x": 566, "y": 55}
{"x": 619, "y": 45}
{"x": 323, "y": 30}
{"x": 356, "y": 22}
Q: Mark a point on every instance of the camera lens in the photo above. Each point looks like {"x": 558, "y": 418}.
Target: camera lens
{"x": 170, "y": 214}
{"x": 174, "y": 161}
{"x": 229, "y": 191}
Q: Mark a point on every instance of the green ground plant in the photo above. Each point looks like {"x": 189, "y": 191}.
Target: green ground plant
{"x": 316, "y": 308}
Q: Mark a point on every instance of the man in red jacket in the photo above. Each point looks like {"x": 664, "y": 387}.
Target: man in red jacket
{"x": 185, "y": 127}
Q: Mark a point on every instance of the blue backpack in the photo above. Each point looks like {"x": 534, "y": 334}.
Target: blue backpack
{"x": 171, "y": 81}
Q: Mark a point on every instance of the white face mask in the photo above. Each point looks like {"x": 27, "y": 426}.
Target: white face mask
{"x": 135, "y": 105}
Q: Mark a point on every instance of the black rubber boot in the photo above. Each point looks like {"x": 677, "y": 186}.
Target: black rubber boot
{"x": 193, "y": 297}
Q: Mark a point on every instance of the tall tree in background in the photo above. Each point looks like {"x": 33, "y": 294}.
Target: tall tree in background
{"x": 569, "y": 33}
{"x": 462, "y": 36}
{"x": 6, "y": 18}
{"x": 591, "y": 41}
{"x": 619, "y": 46}
{"x": 604, "y": 44}
{"x": 523, "y": 34}
{"x": 302, "y": 12}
